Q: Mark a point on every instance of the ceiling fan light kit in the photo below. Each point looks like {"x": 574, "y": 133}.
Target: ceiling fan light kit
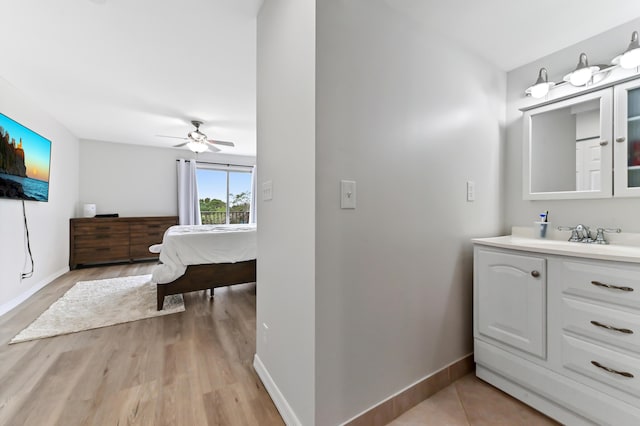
{"x": 197, "y": 141}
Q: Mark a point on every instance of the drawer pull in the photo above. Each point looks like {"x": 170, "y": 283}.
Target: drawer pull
{"x": 610, "y": 327}
{"x": 611, "y": 370}
{"x": 611, "y": 286}
{"x": 103, "y": 228}
{"x": 535, "y": 274}
{"x": 103, "y": 249}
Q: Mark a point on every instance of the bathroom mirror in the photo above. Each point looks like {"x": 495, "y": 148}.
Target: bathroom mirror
{"x": 568, "y": 148}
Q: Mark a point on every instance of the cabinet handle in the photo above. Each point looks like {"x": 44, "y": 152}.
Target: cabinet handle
{"x": 535, "y": 274}
{"x": 621, "y": 139}
{"x": 604, "y": 143}
{"x": 611, "y": 370}
{"x": 610, "y": 327}
{"x": 102, "y": 228}
{"x": 611, "y": 286}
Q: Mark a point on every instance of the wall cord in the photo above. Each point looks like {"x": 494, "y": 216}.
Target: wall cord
{"x": 26, "y": 232}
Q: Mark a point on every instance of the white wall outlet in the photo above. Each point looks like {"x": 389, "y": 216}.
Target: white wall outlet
{"x": 471, "y": 190}
{"x": 347, "y": 194}
{"x": 267, "y": 190}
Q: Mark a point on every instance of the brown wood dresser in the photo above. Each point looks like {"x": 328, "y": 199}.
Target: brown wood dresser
{"x": 115, "y": 239}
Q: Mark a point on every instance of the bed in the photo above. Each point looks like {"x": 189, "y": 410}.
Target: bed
{"x": 201, "y": 257}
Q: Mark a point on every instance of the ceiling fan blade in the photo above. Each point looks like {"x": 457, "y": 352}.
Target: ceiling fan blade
{"x": 180, "y": 144}
{"x": 172, "y": 137}
{"x": 225, "y": 143}
{"x": 212, "y": 149}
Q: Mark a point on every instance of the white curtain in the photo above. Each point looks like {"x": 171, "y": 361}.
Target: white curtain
{"x": 253, "y": 206}
{"x": 188, "y": 204}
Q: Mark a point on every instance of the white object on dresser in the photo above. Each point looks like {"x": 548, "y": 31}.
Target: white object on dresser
{"x": 557, "y": 325}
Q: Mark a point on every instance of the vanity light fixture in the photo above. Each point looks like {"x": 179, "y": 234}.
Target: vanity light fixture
{"x": 542, "y": 85}
{"x": 630, "y": 58}
{"x": 588, "y": 74}
{"x": 583, "y": 72}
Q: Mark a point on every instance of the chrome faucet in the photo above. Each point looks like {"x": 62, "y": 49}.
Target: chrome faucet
{"x": 582, "y": 234}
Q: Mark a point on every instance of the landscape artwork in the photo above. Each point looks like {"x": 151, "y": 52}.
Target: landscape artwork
{"x": 25, "y": 158}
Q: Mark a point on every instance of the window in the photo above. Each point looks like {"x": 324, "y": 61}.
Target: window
{"x": 224, "y": 194}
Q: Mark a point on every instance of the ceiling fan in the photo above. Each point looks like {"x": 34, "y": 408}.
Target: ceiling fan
{"x": 197, "y": 141}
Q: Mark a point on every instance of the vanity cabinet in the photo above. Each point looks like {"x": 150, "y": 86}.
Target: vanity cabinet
{"x": 559, "y": 332}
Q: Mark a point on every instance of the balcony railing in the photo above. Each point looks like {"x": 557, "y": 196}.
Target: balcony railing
{"x": 220, "y": 218}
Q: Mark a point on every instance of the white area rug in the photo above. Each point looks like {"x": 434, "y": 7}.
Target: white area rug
{"x": 100, "y": 303}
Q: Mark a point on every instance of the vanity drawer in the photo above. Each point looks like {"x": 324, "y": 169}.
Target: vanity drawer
{"x": 588, "y": 364}
{"x": 607, "y": 282}
{"x": 610, "y": 326}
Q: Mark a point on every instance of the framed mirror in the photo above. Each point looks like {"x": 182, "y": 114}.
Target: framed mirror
{"x": 567, "y": 152}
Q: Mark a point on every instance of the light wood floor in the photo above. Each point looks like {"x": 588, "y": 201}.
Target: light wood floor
{"x": 189, "y": 368}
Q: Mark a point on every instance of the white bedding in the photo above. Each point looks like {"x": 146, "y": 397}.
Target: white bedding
{"x": 184, "y": 245}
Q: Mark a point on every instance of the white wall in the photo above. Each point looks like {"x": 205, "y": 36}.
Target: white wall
{"x": 409, "y": 116}
{"x": 48, "y": 222}
{"x": 286, "y": 253}
{"x": 621, "y": 213}
{"x": 135, "y": 180}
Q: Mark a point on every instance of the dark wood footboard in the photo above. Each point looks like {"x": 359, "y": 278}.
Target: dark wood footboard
{"x": 203, "y": 277}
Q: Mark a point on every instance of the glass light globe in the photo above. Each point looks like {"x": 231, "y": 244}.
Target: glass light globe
{"x": 630, "y": 59}
{"x": 581, "y": 76}
{"x": 539, "y": 90}
{"x": 197, "y": 147}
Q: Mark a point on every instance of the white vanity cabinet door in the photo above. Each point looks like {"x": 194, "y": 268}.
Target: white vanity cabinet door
{"x": 627, "y": 140}
{"x": 510, "y": 294}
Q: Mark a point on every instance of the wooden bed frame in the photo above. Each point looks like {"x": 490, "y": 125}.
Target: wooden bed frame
{"x": 210, "y": 276}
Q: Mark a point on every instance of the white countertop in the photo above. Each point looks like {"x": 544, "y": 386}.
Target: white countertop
{"x": 622, "y": 247}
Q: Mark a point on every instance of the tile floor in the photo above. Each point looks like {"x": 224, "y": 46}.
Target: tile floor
{"x": 472, "y": 402}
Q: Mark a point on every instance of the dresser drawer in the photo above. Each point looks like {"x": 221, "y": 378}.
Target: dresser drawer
{"x": 610, "y": 326}
{"x": 156, "y": 226}
{"x": 147, "y": 237}
{"x": 100, "y": 240}
{"x": 141, "y": 251}
{"x": 606, "y": 282}
{"x": 596, "y": 366}
{"x": 101, "y": 254}
{"x": 101, "y": 228}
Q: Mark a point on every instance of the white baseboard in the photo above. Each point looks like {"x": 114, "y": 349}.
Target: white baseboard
{"x": 278, "y": 398}
{"x": 7, "y": 306}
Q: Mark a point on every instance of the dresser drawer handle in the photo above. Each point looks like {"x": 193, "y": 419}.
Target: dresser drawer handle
{"x": 611, "y": 286}
{"x": 610, "y": 327}
{"x": 611, "y": 370}
{"x": 103, "y": 228}
{"x": 103, "y": 249}
{"x": 154, "y": 226}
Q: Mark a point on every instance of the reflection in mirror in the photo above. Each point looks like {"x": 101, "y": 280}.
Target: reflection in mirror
{"x": 565, "y": 147}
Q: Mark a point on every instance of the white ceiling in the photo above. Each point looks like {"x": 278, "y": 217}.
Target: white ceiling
{"x": 128, "y": 70}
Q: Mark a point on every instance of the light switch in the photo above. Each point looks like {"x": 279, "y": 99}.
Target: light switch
{"x": 347, "y": 194}
{"x": 267, "y": 190}
{"x": 471, "y": 190}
